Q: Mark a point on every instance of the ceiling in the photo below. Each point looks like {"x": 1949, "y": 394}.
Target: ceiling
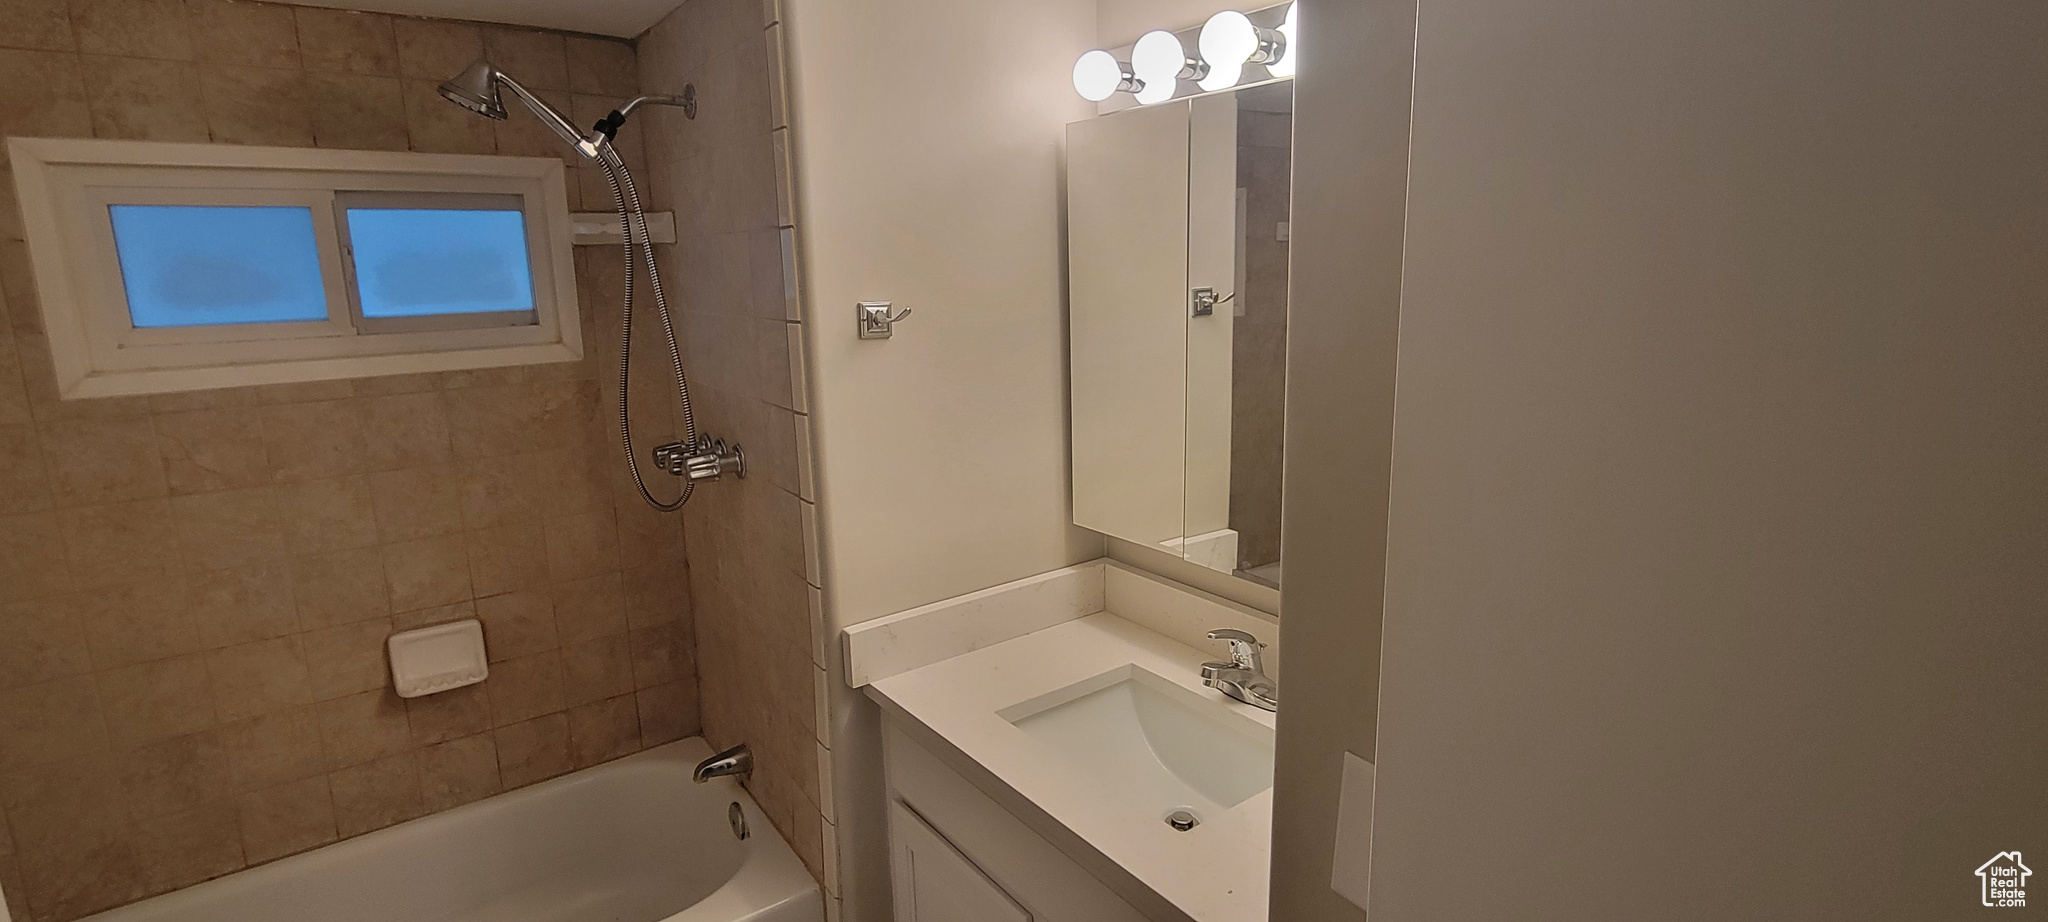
{"x": 621, "y": 18}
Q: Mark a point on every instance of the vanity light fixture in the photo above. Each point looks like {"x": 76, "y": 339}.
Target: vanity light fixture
{"x": 1284, "y": 67}
{"x": 1098, "y": 75}
{"x": 1230, "y": 41}
{"x": 1161, "y": 63}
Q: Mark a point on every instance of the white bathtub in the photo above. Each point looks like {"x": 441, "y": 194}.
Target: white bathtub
{"x": 629, "y": 841}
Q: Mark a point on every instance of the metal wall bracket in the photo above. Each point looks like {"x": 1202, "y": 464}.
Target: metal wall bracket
{"x": 873, "y": 320}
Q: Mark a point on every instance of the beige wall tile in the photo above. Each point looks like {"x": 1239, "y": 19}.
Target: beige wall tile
{"x": 449, "y": 715}
{"x": 407, "y": 430}
{"x": 603, "y": 731}
{"x": 307, "y": 441}
{"x": 328, "y": 515}
{"x": 156, "y": 700}
{"x": 438, "y": 126}
{"x": 662, "y": 655}
{"x": 436, "y": 49}
{"x": 357, "y": 112}
{"x": 142, "y": 100}
{"x": 340, "y": 588}
{"x": 540, "y": 60}
{"x": 133, "y": 28}
{"x": 345, "y": 41}
{"x": 41, "y": 640}
{"x": 376, "y": 794}
{"x": 120, "y": 543}
{"x": 104, "y": 461}
{"x": 15, "y": 408}
{"x": 576, "y": 480}
{"x": 244, "y": 33}
{"x": 33, "y": 562}
{"x": 427, "y": 573}
{"x": 518, "y": 624}
{"x": 591, "y": 607}
{"x": 259, "y": 678}
{"x": 525, "y": 688}
{"x": 506, "y": 558}
{"x": 500, "y": 491}
{"x": 492, "y": 422}
{"x": 347, "y": 659}
{"x": 287, "y": 819}
{"x": 50, "y": 721}
{"x": 185, "y": 848}
{"x": 657, "y": 595}
{"x": 428, "y": 617}
{"x": 138, "y": 623}
{"x": 595, "y": 670}
{"x": 193, "y": 401}
{"x": 667, "y": 713}
{"x": 38, "y": 24}
{"x": 533, "y": 750}
{"x": 603, "y": 66}
{"x": 275, "y": 748}
{"x": 419, "y": 502}
{"x": 648, "y": 537}
{"x": 257, "y": 105}
{"x": 524, "y": 135}
{"x": 244, "y": 604}
{"x": 582, "y": 545}
{"x": 210, "y": 450}
{"x": 271, "y": 395}
{"x": 362, "y": 727}
{"x": 24, "y": 484}
{"x": 459, "y": 772}
{"x": 231, "y": 528}
{"x": 175, "y": 775}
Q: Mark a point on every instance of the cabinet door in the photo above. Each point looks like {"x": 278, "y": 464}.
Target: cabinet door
{"x": 935, "y": 883}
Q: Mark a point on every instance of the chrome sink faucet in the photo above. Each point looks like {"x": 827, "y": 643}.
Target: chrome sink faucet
{"x": 1244, "y": 677}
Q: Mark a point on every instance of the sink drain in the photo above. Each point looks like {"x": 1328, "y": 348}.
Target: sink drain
{"x": 1183, "y": 820}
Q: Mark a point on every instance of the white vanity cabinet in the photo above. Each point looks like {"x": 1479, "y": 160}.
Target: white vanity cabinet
{"x": 958, "y": 856}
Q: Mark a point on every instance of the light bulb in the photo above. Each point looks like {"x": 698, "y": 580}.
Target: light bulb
{"x": 1228, "y": 41}
{"x": 1098, "y": 75}
{"x": 1158, "y": 60}
{"x": 1285, "y": 66}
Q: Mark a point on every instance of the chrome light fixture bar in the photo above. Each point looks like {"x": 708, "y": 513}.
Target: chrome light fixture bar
{"x": 1098, "y": 75}
{"x": 1160, "y": 62}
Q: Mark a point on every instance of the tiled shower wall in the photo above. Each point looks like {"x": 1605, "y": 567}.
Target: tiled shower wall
{"x": 754, "y": 579}
{"x": 195, "y": 588}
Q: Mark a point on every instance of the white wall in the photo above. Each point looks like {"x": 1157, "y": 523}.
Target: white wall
{"x": 1350, "y": 181}
{"x": 927, "y": 140}
{"x": 1120, "y": 22}
{"x": 1717, "y": 549}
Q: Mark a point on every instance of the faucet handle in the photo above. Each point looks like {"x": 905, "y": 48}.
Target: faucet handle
{"x": 1244, "y": 648}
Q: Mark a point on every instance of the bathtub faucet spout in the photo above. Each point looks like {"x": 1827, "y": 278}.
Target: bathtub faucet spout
{"x": 737, "y": 762}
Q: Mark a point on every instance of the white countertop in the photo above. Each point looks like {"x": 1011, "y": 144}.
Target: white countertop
{"x": 1217, "y": 872}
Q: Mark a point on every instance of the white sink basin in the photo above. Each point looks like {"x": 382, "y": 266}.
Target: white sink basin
{"x": 1156, "y": 743}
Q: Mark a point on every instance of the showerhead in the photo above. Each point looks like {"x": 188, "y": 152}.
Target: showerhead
{"x": 476, "y": 89}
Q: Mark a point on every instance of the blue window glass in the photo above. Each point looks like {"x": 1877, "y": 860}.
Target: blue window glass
{"x": 422, "y": 262}
{"x": 203, "y": 265}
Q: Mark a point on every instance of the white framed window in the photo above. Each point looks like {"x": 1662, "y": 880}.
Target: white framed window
{"x": 170, "y": 267}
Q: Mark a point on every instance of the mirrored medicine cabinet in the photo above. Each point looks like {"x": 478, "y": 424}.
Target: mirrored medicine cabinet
{"x": 1177, "y": 270}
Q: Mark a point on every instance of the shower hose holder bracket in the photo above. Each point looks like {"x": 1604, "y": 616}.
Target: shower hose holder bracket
{"x": 709, "y": 459}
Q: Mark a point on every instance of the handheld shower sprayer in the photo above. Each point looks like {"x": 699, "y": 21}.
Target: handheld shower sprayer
{"x": 695, "y": 457}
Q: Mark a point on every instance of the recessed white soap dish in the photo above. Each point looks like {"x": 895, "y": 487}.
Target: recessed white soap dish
{"x": 438, "y": 658}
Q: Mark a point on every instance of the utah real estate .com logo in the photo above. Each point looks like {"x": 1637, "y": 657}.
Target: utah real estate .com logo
{"x": 2004, "y": 880}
